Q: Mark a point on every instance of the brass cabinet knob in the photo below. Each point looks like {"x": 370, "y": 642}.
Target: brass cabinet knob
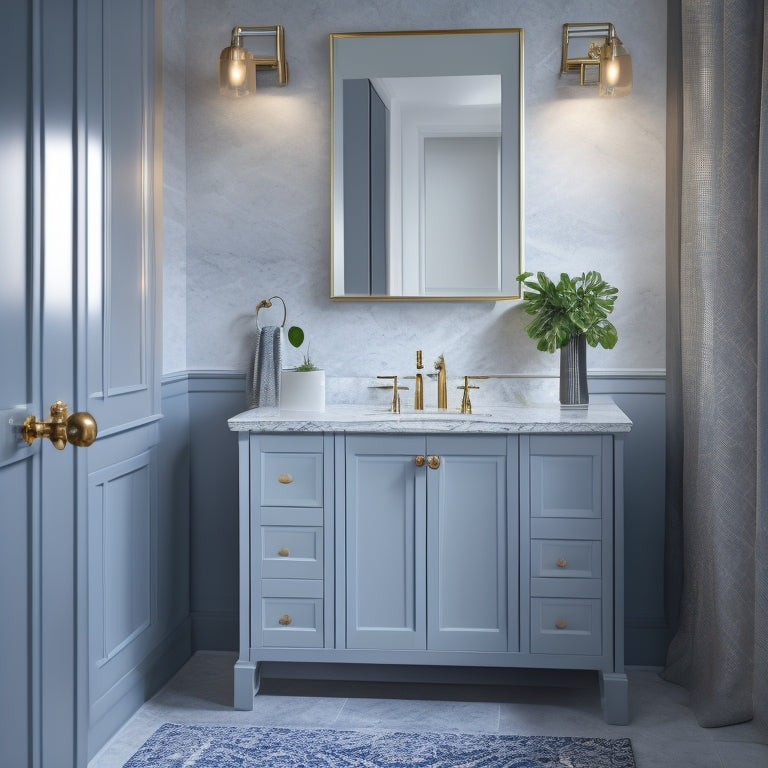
{"x": 285, "y": 620}
{"x": 285, "y": 478}
{"x": 78, "y": 428}
{"x": 433, "y": 462}
{"x": 283, "y": 551}
{"x": 561, "y": 623}
{"x": 561, "y": 562}
{"x": 419, "y": 460}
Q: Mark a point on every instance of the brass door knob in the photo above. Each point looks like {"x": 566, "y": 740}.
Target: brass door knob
{"x": 78, "y": 428}
{"x": 419, "y": 460}
{"x": 433, "y": 462}
{"x": 561, "y": 623}
{"x": 283, "y": 551}
{"x": 285, "y": 478}
{"x": 561, "y": 562}
{"x": 285, "y": 620}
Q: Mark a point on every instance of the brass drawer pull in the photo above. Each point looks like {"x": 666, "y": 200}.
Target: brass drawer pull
{"x": 283, "y": 551}
{"x": 285, "y": 620}
{"x": 561, "y": 623}
{"x": 285, "y": 478}
{"x": 433, "y": 462}
{"x": 419, "y": 461}
{"x": 561, "y": 562}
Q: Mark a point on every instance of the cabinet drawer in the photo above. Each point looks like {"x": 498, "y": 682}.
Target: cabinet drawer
{"x": 291, "y": 479}
{"x": 292, "y": 622}
{"x": 312, "y": 516}
{"x": 560, "y": 558}
{"x": 291, "y": 552}
{"x": 566, "y": 476}
{"x": 565, "y": 625}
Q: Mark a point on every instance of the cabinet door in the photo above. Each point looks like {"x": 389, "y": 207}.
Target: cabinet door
{"x": 467, "y": 544}
{"x": 385, "y": 542}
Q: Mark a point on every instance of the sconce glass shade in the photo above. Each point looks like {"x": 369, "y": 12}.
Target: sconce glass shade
{"x": 237, "y": 72}
{"x": 615, "y": 69}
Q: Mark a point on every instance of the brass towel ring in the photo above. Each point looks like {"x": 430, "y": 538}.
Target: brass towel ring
{"x": 267, "y": 303}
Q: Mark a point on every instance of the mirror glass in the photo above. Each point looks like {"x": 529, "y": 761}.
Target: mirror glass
{"x": 427, "y": 165}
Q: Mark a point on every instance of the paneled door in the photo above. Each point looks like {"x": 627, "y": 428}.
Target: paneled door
{"x": 61, "y": 319}
{"x": 386, "y": 548}
{"x": 468, "y": 538}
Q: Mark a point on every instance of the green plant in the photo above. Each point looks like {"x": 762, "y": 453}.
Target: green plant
{"x": 571, "y": 307}
{"x": 296, "y": 338}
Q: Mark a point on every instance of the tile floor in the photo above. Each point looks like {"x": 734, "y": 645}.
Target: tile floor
{"x": 663, "y": 730}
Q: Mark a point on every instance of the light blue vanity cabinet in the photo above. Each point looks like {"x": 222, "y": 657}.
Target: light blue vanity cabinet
{"x": 427, "y": 537}
{"x": 468, "y": 542}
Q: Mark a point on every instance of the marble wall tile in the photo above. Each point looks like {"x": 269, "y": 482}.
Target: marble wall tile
{"x": 174, "y": 203}
{"x": 258, "y": 208}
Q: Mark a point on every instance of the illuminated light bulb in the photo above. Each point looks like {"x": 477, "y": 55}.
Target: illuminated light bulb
{"x": 237, "y": 73}
{"x": 615, "y": 69}
{"x": 612, "y": 71}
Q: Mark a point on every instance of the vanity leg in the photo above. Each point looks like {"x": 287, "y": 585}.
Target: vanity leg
{"x": 246, "y": 683}
{"x": 614, "y": 697}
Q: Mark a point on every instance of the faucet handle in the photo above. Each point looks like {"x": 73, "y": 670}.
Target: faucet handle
{"x": 466, "y": 405}
{"x": 395, "y": 407}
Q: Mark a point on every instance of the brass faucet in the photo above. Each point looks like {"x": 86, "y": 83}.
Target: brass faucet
{"x": 418, "y": 395}
{"x": 466, "y": 404}
{"x": 442, "y": 393}
{"x": 395, "y": 406}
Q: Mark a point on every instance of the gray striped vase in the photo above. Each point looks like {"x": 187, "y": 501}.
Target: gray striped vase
{"x": 573, "y": 372}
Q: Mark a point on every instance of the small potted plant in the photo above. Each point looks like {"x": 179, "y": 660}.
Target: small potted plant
{"x": 568, "y": 315}
{"x": 302, "y": 388}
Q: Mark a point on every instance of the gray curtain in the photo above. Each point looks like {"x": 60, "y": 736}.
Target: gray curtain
{"x": 717, "y": 350}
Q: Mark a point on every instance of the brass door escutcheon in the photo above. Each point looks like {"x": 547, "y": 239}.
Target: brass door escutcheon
{"x": 433, "y": 462}
{"x": 78, "y": 428}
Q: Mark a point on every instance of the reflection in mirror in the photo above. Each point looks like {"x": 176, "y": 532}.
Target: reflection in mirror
{"x": 426, "y": 148}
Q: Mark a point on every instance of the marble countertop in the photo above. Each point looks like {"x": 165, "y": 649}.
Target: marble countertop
{"x": 598, "y": 417}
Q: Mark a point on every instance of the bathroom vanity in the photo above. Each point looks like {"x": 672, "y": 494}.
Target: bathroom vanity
{"x": 433, "y": 538}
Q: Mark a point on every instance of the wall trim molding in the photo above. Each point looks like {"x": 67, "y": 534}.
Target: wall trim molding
{"x": 595, "y": 373}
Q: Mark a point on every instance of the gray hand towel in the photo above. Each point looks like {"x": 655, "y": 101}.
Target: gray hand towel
{"x": 267, "y": 364}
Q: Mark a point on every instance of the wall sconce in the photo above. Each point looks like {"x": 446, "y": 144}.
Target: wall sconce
{"x": 237, "y": 66}
{"x": 604, "y": 61}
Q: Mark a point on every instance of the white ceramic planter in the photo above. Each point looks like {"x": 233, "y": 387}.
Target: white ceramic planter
{"x": 302, "y": 390}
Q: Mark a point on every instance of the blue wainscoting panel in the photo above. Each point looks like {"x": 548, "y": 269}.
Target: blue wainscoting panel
{"x": 214, "y": 397}
{"x": 173, "y": 501}
{"x": 647, "y": 633}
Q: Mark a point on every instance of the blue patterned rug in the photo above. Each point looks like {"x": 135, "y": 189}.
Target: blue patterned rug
{"x": 196, "y": 746}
